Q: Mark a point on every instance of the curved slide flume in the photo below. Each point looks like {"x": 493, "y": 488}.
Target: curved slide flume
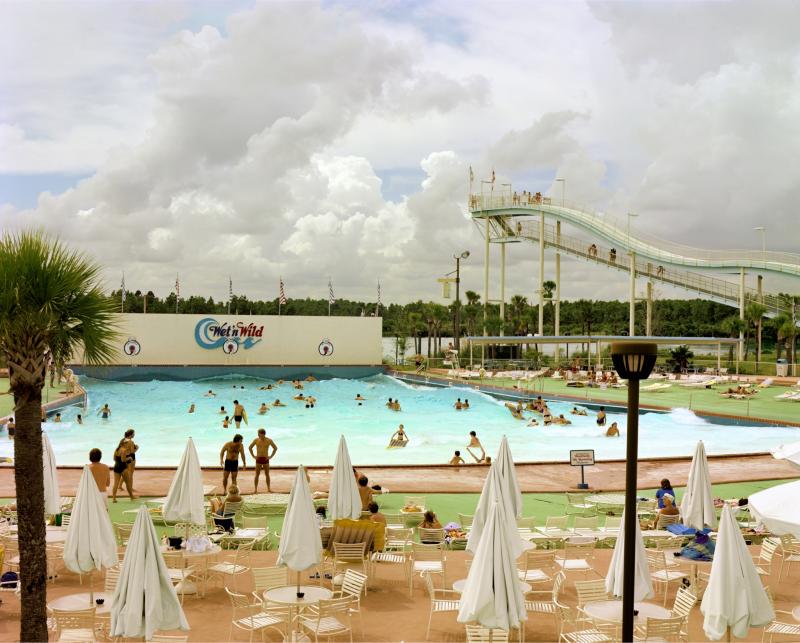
{"x": 616, "y": 233}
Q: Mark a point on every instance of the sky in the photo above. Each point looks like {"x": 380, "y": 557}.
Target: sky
{"x": 333, "y": 140}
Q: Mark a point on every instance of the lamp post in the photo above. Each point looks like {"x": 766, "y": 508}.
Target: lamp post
{"x": 763, "y": 232}
{"x": 633, "y": 361}
{"x": 563, "y": 189}
{"x": 457, "y": 328}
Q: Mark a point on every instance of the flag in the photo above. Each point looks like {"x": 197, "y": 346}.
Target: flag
{"x": 378, "y": 306}
{"x": 177, "y": 291}
{"x": 331, "y": 298}
{"x": 493, "y": 177}
{"x": 230, "y": 288}
{"x": 123, "y": 288}
{"x": 281, "y": 294}
{"x": 471, "y": 175}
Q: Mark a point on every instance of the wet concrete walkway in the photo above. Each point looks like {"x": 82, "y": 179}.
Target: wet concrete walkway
{"x": 539, "y": 477}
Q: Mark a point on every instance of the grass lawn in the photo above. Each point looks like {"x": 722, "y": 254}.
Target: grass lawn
{"x": 7, "y": 400}
{"x": 762, "y": 405}
{"x": 448, "y": 505}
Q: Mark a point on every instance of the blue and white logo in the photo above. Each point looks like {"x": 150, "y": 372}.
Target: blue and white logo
{"x": 211, "y": 334}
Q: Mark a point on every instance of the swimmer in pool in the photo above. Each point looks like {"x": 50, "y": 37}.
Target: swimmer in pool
{"x": 226, "y": 422}
{"x": 268, "y": 387}
{"x": 300, "y": 397}
{"x": 389, "y": 404}
{"x": 475, "y": 443}
{"x": 533, "y": 422}
{"x": 613, "y": 431}
{"x": 57, "y": 418}
{"x": 396, "y": 405}
{"x": 191, "y": 409}
{"x": 601, "y": 416}
{"x": 399, "y": 436}
{"x": 465, "y": 405}
{"x": 222, "y": 410}
{"x": 458, "y": 405}
{"x": 210, "y": 394}
{"x": 238, "y": 413}
{"x": 561, "y": 420}
{"x": 358, "y": 398}
{"x": 456, "y": 459}
{"x": 104, "y": 412}
{"x": 278, "y": 403}
{"x": 576, "y": 411}
{"x": 263, "y": 408}
{"x": 79, "y": 419}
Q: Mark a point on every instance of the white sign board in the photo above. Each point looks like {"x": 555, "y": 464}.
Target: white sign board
{"x": 581, "y": 457}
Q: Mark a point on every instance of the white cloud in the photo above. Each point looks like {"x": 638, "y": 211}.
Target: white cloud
{"x": 255, "y": 147}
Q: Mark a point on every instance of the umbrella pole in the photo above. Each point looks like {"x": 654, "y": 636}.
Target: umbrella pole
{"x": 91, "y": 589}
{"x": 729, "y": 634}
{"x": 298, "y": 585}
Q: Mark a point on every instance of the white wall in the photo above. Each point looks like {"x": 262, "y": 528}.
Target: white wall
{"x": 284, "y": 340}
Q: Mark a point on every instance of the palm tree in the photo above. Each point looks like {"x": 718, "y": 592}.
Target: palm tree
{"x": 753, "y": 314}
{"x": 733, "y": 326}
{"x": 50, "y": 303}
{"x": 473, "y": 298}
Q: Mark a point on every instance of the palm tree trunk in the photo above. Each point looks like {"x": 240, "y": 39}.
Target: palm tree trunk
{"x": 29, "y": 481}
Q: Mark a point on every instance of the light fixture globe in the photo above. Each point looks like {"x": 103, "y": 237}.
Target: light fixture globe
{"x": 634, "y": 360}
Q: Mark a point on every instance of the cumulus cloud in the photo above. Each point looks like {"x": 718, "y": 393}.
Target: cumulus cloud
{"x": 253, "y": 144}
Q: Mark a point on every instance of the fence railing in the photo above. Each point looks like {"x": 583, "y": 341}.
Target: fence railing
{"x": 618, "y": 231}
{"x": 704, "y": 284}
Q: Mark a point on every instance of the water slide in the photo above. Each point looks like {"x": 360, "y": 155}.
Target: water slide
{"x": 673, "y": 264}
{"x": 616, "y": 233}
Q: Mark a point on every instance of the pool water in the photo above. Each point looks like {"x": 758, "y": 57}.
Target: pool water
{"x": 158, "y": 411}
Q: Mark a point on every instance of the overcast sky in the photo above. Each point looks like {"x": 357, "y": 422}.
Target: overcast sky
{"x": 334, "y": 139}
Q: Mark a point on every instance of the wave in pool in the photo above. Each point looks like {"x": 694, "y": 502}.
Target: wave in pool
{"x": 158, "y": 411}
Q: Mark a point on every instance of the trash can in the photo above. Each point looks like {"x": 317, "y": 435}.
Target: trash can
{"x": 781, "y": 368}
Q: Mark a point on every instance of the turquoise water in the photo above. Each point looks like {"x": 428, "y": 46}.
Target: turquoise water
{"x": 158, "y": 411}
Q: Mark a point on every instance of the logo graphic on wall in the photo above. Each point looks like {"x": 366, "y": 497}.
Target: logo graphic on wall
{"x": 211, "y": 334}
{"x": 132, "y": 347}
{"x": 325, "y": 348}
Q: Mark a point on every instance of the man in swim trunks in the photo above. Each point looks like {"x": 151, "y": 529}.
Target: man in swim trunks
{"x": 475, "y": 443}
{"x": 456, "y": 459}
{"x": 238, "y": 413}
{"x": 229, "y": 460}
{"x": 105, "y": 412}
{"x": 262, "y": 456}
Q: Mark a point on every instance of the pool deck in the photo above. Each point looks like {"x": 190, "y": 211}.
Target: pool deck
{"x": 533, "y": 477}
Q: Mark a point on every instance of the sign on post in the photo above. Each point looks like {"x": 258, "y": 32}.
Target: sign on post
{"x": 581, "y": 458}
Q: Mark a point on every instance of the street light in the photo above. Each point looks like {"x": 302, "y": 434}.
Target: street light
{"x": 633, "y": 361}
{"x": 763, "y": 232}
{"x": 563, "y": 189}
{"x": 457, "y": 329}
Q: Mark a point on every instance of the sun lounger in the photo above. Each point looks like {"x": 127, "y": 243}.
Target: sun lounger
{"x": 655, "y": 388}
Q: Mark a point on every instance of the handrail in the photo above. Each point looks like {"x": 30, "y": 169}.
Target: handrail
{"x": 616, "y": 232}
{"x": 700, "y": 283}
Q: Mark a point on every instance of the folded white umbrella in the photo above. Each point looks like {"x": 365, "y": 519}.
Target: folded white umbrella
{"x": 643, "y": 585}
{"x": 144, "y": 600}
{"x": 185, "y": 499}
{"x": 790, "y": 452}
{"x": 735, "y": 597}
{"x": 492, "y": 595}
{"x": 52, "y": 494}
{"x": 301, "y": 545}
{"x": 777, "y": 508}
{"x": 697, "y": 506}
{"x": 501, "y": 486}
{"x": 344, "y": 501}
{"x": 508, "y": 477}
{"x": 90, "y": 540}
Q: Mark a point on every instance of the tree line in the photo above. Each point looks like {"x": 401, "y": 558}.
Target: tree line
{"x": 420, "y": 319}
